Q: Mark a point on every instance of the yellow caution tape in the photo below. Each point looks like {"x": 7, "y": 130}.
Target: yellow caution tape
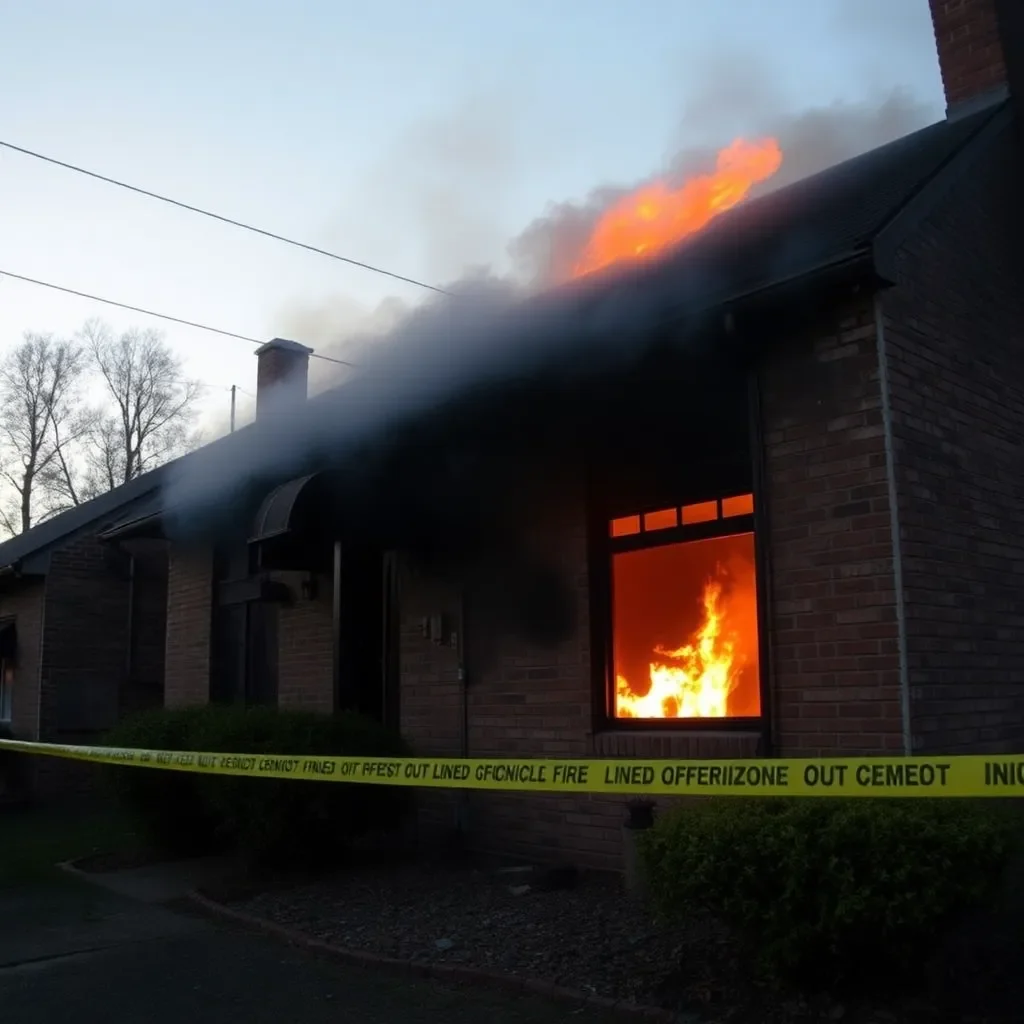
{"x": 961, "y": 776}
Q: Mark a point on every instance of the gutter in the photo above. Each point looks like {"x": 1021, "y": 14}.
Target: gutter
{"x": 127, "y": 529}
{"x": 857, "y": 263}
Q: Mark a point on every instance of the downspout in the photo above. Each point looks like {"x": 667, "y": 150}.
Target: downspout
{"x": 336, "y": 627}
{"x": 41, "y": 647}
{"x": 762, "y": 556}
{"x": 129, "y": 660}
{"x": 462, "y": 807}
{"x": 894, "y": 526}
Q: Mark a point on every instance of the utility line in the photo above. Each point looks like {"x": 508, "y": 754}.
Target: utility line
{"x": 159, "y": 316}
{"x": 221, "y": 218}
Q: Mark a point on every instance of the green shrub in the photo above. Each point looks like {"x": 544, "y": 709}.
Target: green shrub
{"x": 166, "y": 807}
{"x": 274, "y": 822}
{"x": 297, "y": 822}
{"x": 823, "y": 892}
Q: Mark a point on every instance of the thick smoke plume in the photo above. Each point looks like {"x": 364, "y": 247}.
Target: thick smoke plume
{"x": 415, "y": 360}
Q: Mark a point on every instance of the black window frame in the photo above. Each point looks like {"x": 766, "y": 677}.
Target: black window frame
{"x": 604, "y": 547}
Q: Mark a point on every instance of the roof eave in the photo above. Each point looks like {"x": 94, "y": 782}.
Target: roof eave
{"x": 150, "y": 525}
{"x": 891, "y": 237}
{"x": 747, "y": 313}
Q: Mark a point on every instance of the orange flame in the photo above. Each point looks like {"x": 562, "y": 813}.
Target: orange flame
{"x": 642, "y": 224}
{"x": 699, "y": 684}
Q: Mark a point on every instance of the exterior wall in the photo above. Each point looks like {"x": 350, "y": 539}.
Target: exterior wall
{"x": 833, "y": 628}
{"x": 84, "y": 657}
{"x": 305, "y": 661}
{"x": 833, "y": 622}
{"x": 970, "y": 52}
{"x": 24, "y": 600}
{"x": 72, "y": 680}
{"x": 189, "y": 620}
{"x": 85, "y": 639}
{"x": 954, "y": 335}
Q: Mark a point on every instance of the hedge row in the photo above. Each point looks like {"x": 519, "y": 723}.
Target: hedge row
{"x": 826, "y": 893}
{"x": 272, "y": 821}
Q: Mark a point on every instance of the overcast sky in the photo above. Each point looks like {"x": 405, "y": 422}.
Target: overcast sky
{"x": 421, "y": 137}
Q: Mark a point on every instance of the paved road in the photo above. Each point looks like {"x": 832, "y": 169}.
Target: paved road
{"x": 71, "y": 952}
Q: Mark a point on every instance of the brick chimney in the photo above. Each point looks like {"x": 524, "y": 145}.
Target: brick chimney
{"x": 282, "y": 375}
{"x": 981, "y": 51}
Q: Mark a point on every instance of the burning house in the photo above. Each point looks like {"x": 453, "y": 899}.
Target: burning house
{"x": 748, "y": 484}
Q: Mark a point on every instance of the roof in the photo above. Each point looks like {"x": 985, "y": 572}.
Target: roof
{"x": 37, "y": 541}
{"x": 853, "y": 214}
{"x": 817, "y": 221}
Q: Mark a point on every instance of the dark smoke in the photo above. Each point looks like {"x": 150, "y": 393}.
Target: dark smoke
{"x": 500, "y": 379}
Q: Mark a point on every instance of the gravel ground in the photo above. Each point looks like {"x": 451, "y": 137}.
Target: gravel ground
{"x": 590, "y": 936}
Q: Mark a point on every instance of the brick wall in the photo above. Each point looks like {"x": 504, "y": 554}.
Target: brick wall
{"x": 305, "y": 663}
{"x": 83, "y": 658}
{"x": 833, "y": 621}
{"x": 970, "y": 53}
{"x": 189, "y": 618}
{"x": 24, "y": 600}
{"x": 72, "y": 673}
{"x": 526, "y": 700}
{"x": 834, "y": 634}
{"x": 85, "y": 637}
{"x": 954, "y": 334}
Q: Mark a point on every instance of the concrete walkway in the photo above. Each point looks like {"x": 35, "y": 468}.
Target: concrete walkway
{"x": 100, "y": 954}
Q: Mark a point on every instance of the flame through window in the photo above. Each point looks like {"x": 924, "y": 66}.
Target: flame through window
{"x": 684, "y": 621}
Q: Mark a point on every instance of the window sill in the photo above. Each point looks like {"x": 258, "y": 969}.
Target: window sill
{"x": 682, "y": 730}
{"x": 696, "y": 744}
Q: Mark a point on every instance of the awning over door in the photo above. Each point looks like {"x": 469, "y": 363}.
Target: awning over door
{"x": 276, "y": 513}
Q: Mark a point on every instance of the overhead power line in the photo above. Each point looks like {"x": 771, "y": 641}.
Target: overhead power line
{"x": 224, "y": 220}
{"x": 154, "y": 313}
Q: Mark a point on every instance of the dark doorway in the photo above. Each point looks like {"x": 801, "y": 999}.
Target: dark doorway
{"x": 367, "y": 643}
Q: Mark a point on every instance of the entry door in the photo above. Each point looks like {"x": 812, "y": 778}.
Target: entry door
{"x": 361, "y": 662}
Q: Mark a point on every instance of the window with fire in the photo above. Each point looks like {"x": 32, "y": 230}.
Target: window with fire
{"x": 684, "y": 636}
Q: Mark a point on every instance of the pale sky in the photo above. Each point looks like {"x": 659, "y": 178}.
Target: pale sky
{"x": 421, "y": 137}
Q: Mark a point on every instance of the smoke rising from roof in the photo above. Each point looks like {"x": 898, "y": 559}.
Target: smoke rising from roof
{"x": 412, "y": 356}
{"x": 811, "y": 141}
{"x": 413, "y": 359}
{"x": 736, "y": 96}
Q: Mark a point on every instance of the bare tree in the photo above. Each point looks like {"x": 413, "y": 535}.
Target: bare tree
{"x": 152, "y": 408}
{"x": 39, "y": 421}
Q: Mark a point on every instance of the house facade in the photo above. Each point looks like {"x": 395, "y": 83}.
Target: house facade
{"x": 802, "y": 536}
{"x": 81, "y": 631}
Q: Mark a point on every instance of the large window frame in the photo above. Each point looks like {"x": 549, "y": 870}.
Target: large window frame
{"x": 604, "y": 547}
